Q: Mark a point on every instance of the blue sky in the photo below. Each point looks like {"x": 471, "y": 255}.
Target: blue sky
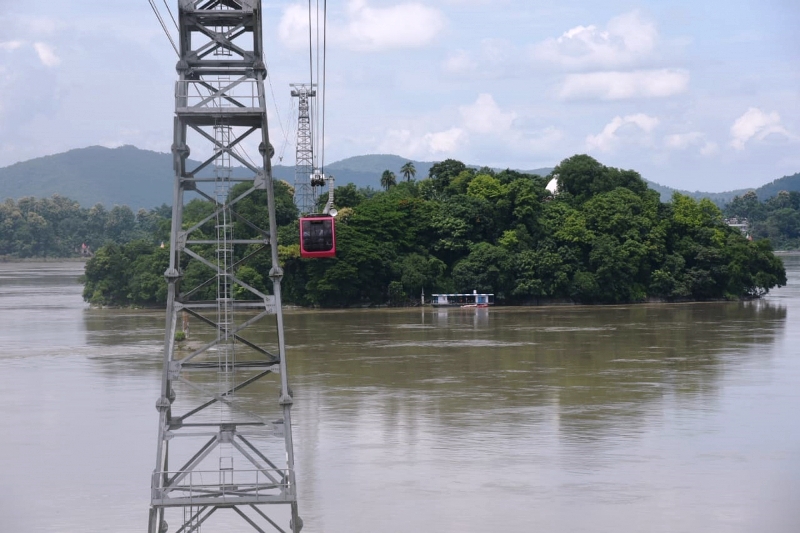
{"x": 694, "y": 95}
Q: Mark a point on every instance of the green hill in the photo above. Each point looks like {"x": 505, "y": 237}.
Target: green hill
{"x": 719, "y": 198}
{"x": 143, "y": 178}
{"x": 125, "y": 175}
{"x": 786, "y": 183}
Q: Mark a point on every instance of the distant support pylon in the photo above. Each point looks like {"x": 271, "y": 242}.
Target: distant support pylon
{"x": 304, "y": 193}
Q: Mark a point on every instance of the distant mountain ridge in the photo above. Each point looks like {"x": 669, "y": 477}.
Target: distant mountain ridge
{"x": 143, "y": 178}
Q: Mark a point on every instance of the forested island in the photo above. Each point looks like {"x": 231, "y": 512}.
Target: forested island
{"x": 605, "y": 237}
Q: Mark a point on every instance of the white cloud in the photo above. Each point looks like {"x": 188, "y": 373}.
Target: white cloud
{"x": 293, "y": 27}
{"x": 47, "y": 54}
{"x": 410, "y": 25}
{"x": 407, "y": 25}
{"x": 607, "y": 139}
{"x": 494, "y": 58}
{"x": 460, "y": 62}
{"x": 430, "y": 144}
{"x": 10, "y": 45}
{"x": 545, "y": 140}
{"x": 755, "y": 124}
{"x": 682, "y": 141}
{"x": 481, "y": 130}
{"x": 445, "y": 141}
{"x": 627, "y": 38}
{"x": 658, "y": 83}
{"x": 485, "y": 116}
{"x": 691, "y": 139}
{"x": 710, "y": 148}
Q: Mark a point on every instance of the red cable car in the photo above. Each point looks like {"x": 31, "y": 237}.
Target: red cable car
{"x": 317, "y": 236}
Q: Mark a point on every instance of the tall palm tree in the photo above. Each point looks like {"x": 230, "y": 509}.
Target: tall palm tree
{"x": 388, "y": 179}
{"x": 408, "y": 171}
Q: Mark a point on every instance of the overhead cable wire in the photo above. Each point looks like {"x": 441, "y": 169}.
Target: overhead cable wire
{"x": 171, "y": 16}
{"x": 288, "y": 132}
{"x": 311, "y": 74}
{"x": 324, "y": 78}
{"x": 275, "y": 104}
{"x": 163, "y": 26}
{"x": 319, "y": 110}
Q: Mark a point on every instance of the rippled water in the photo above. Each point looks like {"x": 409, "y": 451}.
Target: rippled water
{"x": 627, "y": 418}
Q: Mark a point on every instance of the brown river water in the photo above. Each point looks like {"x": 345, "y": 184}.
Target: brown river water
{"x": 633, "y": 418}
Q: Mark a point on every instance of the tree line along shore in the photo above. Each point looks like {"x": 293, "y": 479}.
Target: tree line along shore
{"x": 604, "y": 237}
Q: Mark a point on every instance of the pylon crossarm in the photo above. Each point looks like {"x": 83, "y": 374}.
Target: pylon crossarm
{"x": 268, "y": 519}
{"x": 272, "y": 358}
{"x": 218, "y": 93}
{"x": 187, "y": 468}
{"x": 227, "y": 401}
{"x": 221, "y": 95}
{"x": 219, "y": 40}
{"x": 254, "y": 461}
{"x": 256, "y": 451}
{"x": 196, "y": 518}
{"x": 248, "y": 520}
{"x": 217, "y": 145}
{"x": 238, "y": 387}
{"x": 234, "y": 213}
{"x": 185, "y": 296}
{"x": 214, "y": 267}
{"x": 231, "y": 202}
{"x": 203, "y": 452}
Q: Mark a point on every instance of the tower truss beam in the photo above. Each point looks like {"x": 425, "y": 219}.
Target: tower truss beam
{"x": 304, "y": 193}
{"x": 224, "y": 449}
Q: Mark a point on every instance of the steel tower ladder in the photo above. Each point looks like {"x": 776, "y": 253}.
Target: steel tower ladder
{"x": 219, "y": 456}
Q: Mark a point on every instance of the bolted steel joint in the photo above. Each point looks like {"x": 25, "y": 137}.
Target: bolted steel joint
{"x": 276, "y": 273}
{"x": 163, "y": 403}
{"x": 262, "y": 150}
{"x": 181, "y": 149}
{"x": 260, "y": 68}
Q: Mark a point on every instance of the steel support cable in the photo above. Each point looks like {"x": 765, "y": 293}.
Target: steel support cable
{"x": 310, "y": 61}
{"x": 277, "y": 113}
{"x": 163, "y": 26}
{"x": 319, "y": 110}
{"x": 289, "y": 132}
{"x": 324, "y": 78}
{"x": 171, "y": 15}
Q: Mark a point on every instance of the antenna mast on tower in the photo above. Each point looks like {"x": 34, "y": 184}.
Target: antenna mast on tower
{"x": 305, "y": 196}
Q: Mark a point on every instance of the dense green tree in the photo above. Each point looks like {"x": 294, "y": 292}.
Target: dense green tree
{"x": 348, "y": 196}
{"x": 441, "y": 174}
{"x": 582, "y": 177}
{"x": 408, "y": 171}
{"x": 388, "y": 179}
{"x": 606, "y": 238}
{"x": 486, "y": 187}
{"x": 485, "y": 269}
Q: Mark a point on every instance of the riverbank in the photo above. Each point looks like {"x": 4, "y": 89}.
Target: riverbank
{"x": 9, "y": 259}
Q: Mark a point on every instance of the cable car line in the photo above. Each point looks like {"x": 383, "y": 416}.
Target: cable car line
{"x": 275, "y": 105}
{"x": 318, "y": 231}
{"x": 164, "y": 26}
{"x": 324, "y": 78}
{"x": 171, "y": 15}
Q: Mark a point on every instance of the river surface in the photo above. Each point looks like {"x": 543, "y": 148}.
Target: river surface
{"x": 657, "y": 418}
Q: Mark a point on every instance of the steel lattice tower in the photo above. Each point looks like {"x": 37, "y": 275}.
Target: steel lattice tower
{"x": 224, "y": 433}
{"x": 304, "y": 193}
